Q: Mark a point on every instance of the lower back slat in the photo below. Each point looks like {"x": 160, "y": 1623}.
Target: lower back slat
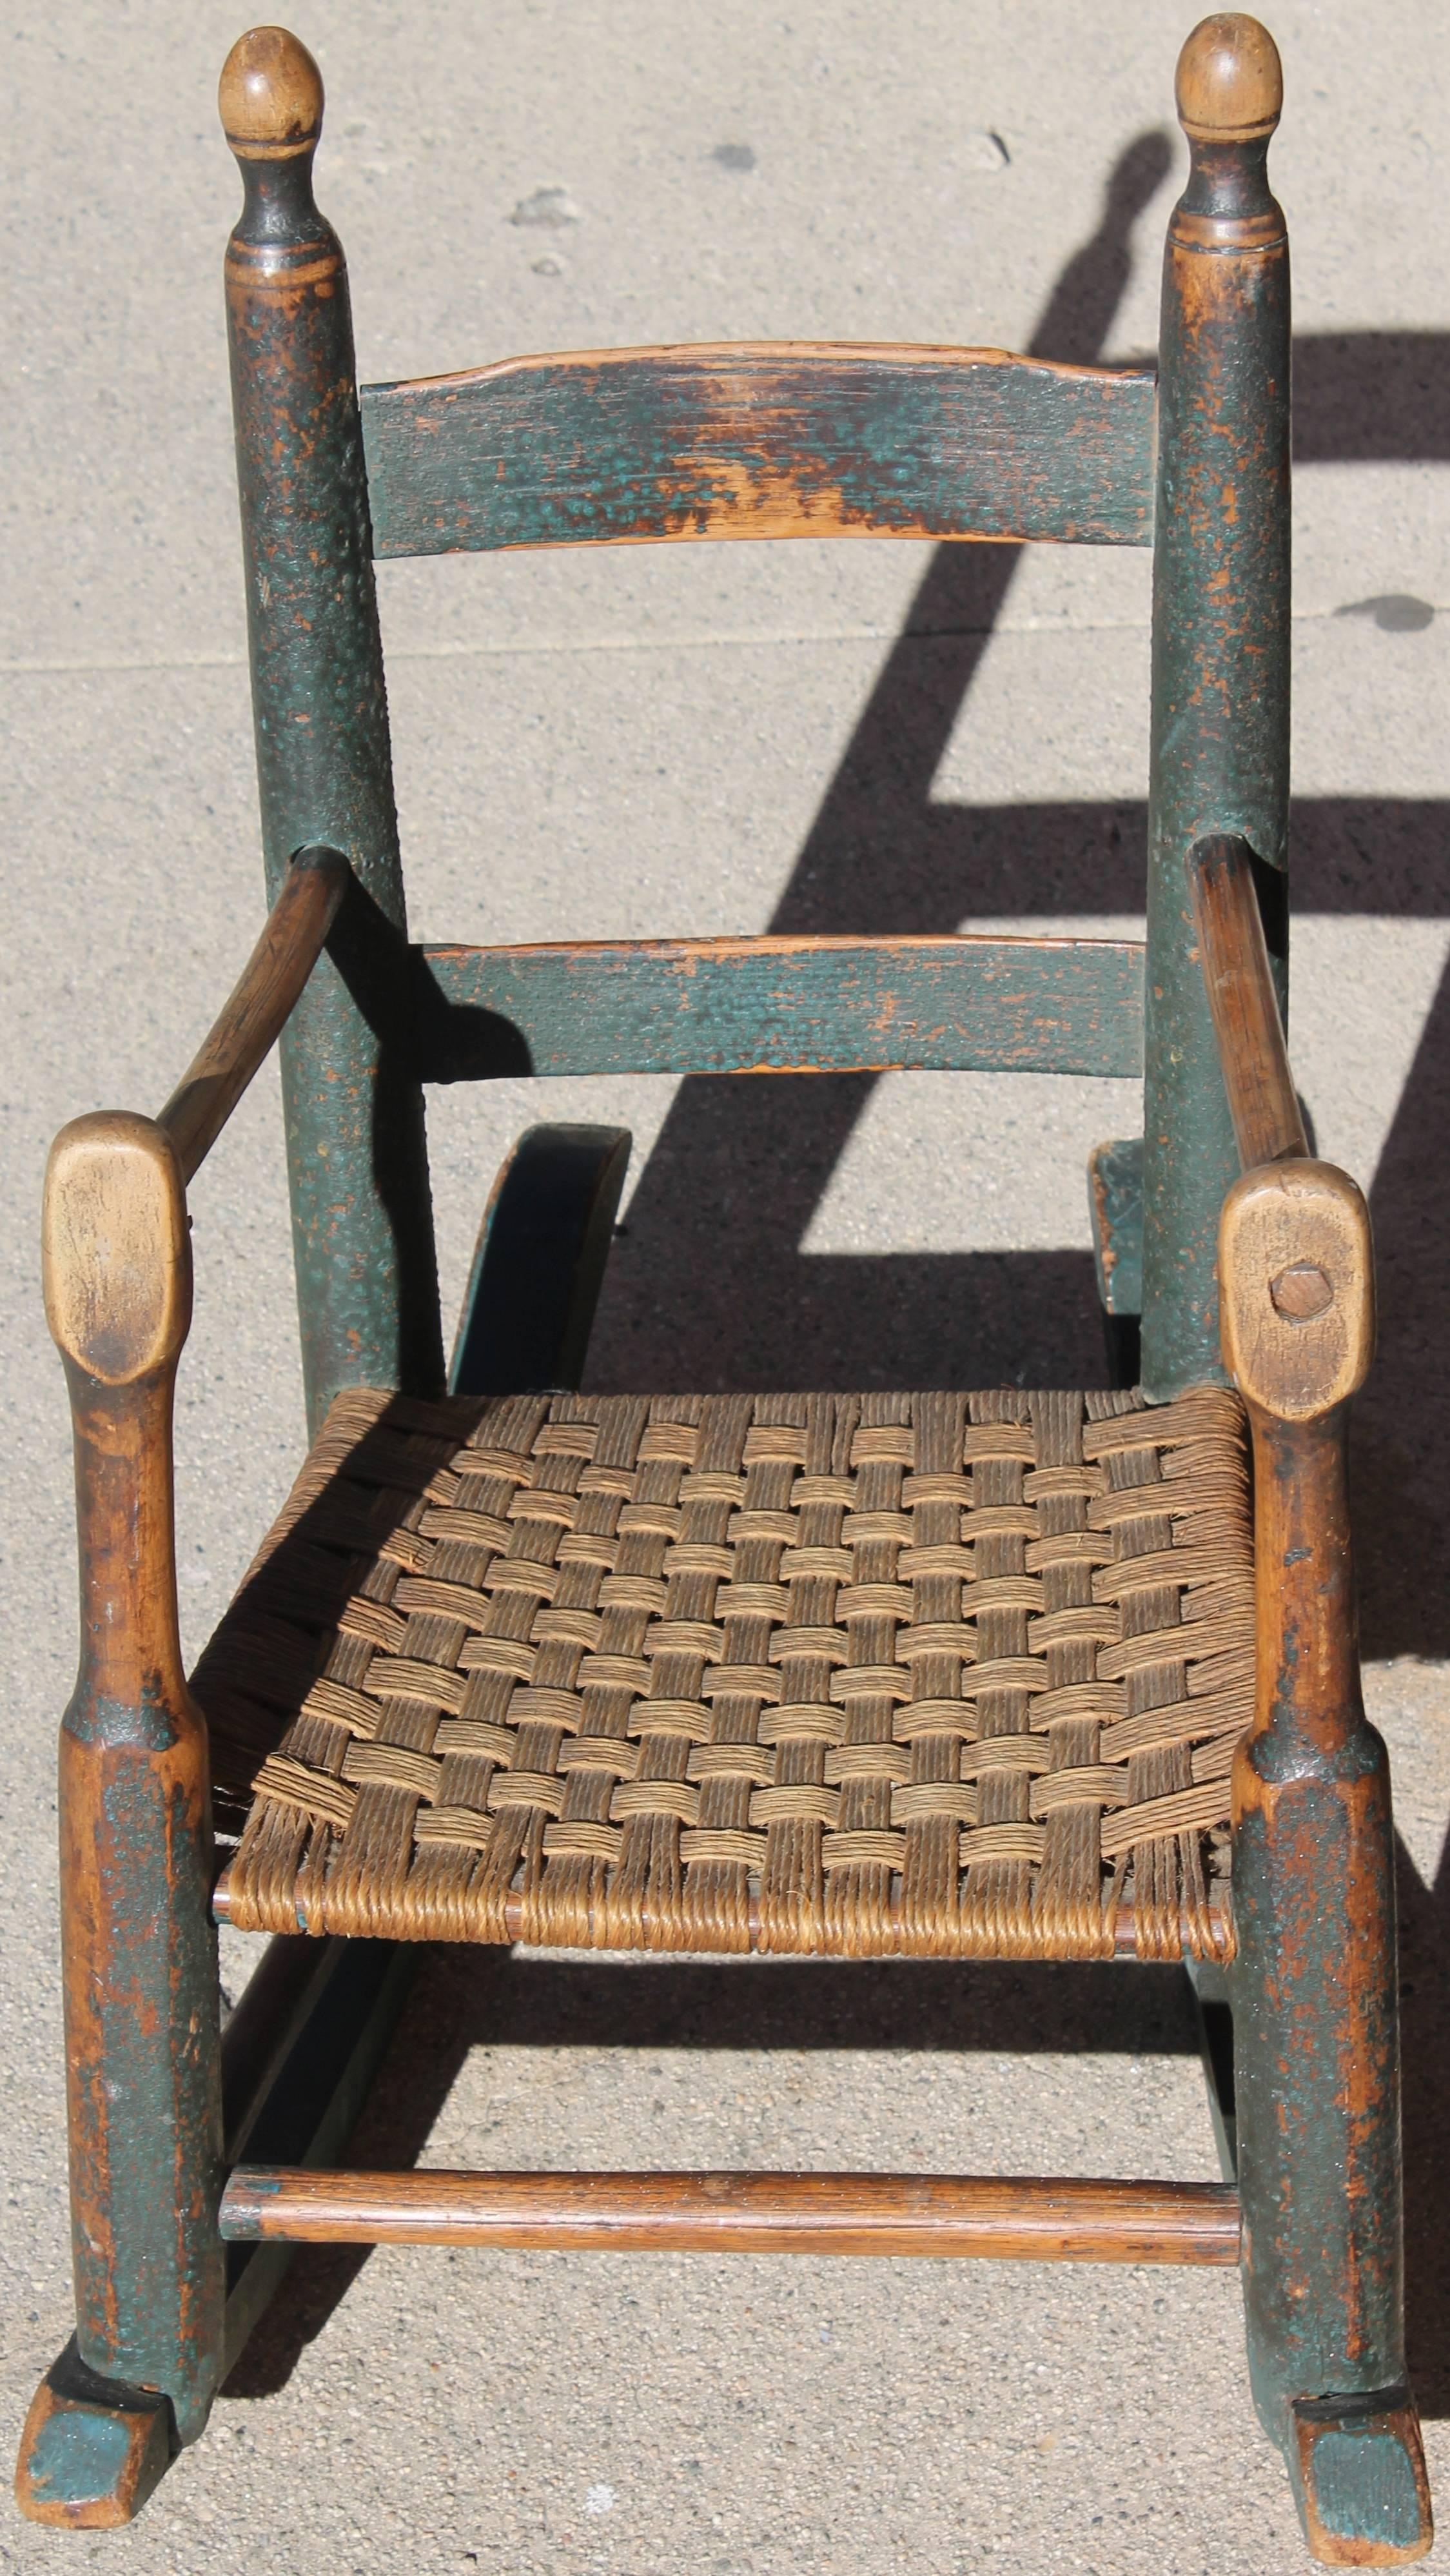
{"x": 963, "y": 1004}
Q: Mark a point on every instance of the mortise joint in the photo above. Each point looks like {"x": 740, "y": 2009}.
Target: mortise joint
{"x": 1301, "y": 1292}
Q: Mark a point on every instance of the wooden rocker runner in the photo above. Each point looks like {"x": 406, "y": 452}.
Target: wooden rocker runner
{"x": 968, "y": 1676}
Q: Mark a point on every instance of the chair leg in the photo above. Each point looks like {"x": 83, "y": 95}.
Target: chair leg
{"x": 1317, "y": 2083}
{"x": 1314, "y": 1983}
{"x": 143, "y": 2072}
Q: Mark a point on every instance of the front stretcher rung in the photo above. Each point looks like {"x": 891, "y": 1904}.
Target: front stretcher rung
{"x": 742, "y": 2213}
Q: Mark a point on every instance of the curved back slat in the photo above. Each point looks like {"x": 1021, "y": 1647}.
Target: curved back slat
{"x": 772, "y": 440}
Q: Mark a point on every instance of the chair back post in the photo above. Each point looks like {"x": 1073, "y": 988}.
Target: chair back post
{"x": 357, "y": 1157}
{"x": 1220, "y": 703}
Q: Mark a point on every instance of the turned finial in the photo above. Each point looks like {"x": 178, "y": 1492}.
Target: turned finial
{"x": 1230, "y": 84}
{"x": 270, "y": 96}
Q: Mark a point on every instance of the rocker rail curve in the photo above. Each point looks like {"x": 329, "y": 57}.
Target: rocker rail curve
{"x": 764, "y": 439}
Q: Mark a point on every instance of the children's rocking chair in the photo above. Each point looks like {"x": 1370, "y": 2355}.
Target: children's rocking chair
{"x": 941, "y": 1675}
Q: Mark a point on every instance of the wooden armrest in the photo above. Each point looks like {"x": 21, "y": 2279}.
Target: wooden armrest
{"x": 1262, "y": 1100}
{"x": 259, "y": 1007}
{"x": 117, "y": 1270}
{"x": 1295, "y": 1262}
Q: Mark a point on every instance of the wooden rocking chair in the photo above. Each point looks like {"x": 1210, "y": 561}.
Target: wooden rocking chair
{"x": 964, "y": 1676}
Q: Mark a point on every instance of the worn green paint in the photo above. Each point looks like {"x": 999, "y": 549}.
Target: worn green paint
{"x": 1365, "y": 2488}
{"x": 784, "y": 1005}
{"x": 1115, "y": 1202}
{"x": 79, "y": 2456}
{"x": 145, "y": 2109}
{"x": 361, "y": 1216}
{"x": 1220, "y": 700}
{"x": 1313, "y": 1984}
{"x": 1317, "y": 2097}
{"x": 784, "y": 440}
{"x": 101, "y": 2443}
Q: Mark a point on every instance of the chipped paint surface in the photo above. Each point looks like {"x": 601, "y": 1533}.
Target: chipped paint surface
{"x": 361, "y": 1214}
{"x": 1220, "y": 723}
{"x": 137, "y": 1943}
{"x": 1115, "y": 1197}
{"x": 1314, "y": 1981}
{"x": 784, "y": 1005}
{"x": 786, "y": 440}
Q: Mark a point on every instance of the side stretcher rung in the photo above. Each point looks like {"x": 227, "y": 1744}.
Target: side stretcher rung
{"x": 962, "y": 1005}
{"x": 742, "y": 2213}
{"x": 783, "y": 439}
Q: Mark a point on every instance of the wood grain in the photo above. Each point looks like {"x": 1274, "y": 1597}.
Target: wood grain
{"x": 784, "y": 1006}
{"x": 138, "y": 1955}
{"x": 258, "y": 1009}
{"x": 269, "y": 97}
{"x": 1296, "y": 1289}
{"x": 770, "y": 439}
{"x": 1252, "y": 1053}
{"x": 1230, "y": 83}
{"x": 743, "y": 2213}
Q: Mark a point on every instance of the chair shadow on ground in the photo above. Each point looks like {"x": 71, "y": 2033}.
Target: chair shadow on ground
{"x": 464, "y": 1998}
{"x": 747, "y": 1307}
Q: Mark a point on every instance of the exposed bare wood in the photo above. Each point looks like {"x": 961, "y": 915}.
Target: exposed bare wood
{"x": 744, "y": 2213}
{"x": 270, "y": 96}
{"x": 258, "y": 1008}
{"x": 1267, "y": 1119}
{"x": 135, "y": 1821}
{"x": 1296, "y": 1289}
{"x": 760, "y": 439}
{"x": 1230, "y": 84}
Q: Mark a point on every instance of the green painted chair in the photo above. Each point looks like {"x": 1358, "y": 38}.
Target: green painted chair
{"x": 954, "y": 1675}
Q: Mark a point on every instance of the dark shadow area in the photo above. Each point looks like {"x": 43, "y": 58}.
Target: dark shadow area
{"x": 371, "y": 959}
{"x": 467, "y": 1998}
{"x": 255, "y": 1669}
{"x": 1371, "y": 398}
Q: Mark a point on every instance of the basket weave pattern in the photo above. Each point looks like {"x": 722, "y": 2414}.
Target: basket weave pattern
{"x": 951, "y": 1675}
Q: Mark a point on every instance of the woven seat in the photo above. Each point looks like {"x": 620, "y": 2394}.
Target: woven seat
{"x": 941, "y": 1674}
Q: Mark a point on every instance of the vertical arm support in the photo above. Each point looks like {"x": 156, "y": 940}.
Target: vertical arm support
{"x": 361, "y": 1214}
{"x": 1220, "y": 700}
{"x": 1314, "y": 1982}
{"x": 141, "y": 2005}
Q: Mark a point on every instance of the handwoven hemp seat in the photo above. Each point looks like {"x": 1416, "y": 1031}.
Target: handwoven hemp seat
{"x": 949, "y": 1675}
{"x": 957, "y": 1676}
